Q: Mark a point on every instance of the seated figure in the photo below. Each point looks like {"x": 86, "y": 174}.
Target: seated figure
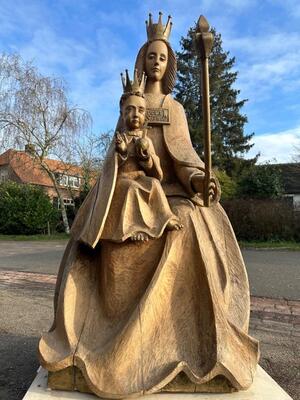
{"x": 140, "y": 209}
{"x": 168, "y": 314}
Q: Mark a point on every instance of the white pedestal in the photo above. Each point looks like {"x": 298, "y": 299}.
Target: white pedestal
{"x": 263, "y": 388}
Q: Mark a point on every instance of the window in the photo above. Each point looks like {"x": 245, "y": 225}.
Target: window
{"x": 74, "y": 181}
{"x": 3, "y": 176}
{"x": 65, "y": 180}
{"x": 69, "y": 202}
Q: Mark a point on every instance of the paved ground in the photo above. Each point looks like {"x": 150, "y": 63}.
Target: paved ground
{"x": 26, "y": 311}
{"x": 42, "y": 257}
{"x": 27, "y": 281}
{"x": 272, "y": 273}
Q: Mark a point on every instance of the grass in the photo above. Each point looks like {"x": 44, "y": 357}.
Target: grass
{"x": 288, "y": 245}
{"x": 21, "y": 238}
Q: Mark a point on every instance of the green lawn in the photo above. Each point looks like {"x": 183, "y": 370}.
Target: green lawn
{"x": 243, "y": 244}
{"x": 57, "y": 236}
{"x": 271, "y": 245}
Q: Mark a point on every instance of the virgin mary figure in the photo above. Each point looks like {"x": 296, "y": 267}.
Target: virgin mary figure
{"x": 166, "y": 314}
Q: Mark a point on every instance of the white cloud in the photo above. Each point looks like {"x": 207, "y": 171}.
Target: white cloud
{"x": 91, "y": 67}
{"x": 266, "y": 63}
{"x": 279, "y": 147}
{"x": 265, "y": 44}
{"x": 90, "y": 63}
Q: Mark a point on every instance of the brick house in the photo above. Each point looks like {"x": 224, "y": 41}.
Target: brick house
{"x": 20, "y": 167}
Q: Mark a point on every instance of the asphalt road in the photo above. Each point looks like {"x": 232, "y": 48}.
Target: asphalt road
{"x": 27, "y": 311}
{"x": 272, "y": 273}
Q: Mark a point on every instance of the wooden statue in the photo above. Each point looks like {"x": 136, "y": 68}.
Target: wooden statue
{"x": 139, "y": 176}
{"x": 152, "y": 293}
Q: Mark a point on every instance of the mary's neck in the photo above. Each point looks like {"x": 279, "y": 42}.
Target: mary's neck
{"x": 154, "y": 87}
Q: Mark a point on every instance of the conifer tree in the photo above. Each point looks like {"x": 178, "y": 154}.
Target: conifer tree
{"x": 229, "y": 143}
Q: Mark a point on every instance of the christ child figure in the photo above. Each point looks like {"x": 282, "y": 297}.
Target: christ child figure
{"x": 139, "y": 209}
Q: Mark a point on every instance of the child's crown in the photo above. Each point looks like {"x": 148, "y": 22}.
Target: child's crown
{"x": 137, "y": 86}
{"x": 158, "y": 31}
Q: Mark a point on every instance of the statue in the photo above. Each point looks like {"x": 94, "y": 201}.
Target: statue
{"x": 139, "y": 175}
{"x": 171, "y": 313}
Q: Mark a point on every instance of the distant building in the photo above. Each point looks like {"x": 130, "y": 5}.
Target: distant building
{"x": 20, "y": 167}
{"x": 291, "y": 182}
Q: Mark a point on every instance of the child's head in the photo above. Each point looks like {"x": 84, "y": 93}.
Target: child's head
{"x": 132, "y": 103}
{"x": 133, "y": 110}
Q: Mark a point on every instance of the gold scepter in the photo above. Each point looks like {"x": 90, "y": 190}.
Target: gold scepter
{"x": 204, "y": 41}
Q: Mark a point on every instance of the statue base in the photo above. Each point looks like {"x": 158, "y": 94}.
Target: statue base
{"x": 71, "y": 379}
{"x": 263, "y": 388}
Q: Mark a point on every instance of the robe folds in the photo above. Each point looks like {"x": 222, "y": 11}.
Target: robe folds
{"x": 132, "y": 316}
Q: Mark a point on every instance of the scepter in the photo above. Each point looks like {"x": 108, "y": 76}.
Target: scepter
{"x": 204, "y": 42}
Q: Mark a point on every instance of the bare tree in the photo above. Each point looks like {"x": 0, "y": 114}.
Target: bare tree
{"x": 35, "y": 111}
{"x": 90, "y": 153}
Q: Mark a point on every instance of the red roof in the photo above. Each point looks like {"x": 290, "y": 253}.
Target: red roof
{"x": 29, "y": 170}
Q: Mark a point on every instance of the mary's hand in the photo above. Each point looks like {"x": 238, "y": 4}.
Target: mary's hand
{"x": 198, "y": 185}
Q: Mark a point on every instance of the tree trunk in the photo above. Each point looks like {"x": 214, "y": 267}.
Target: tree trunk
{"x": 64, "y": 214}
{"x": 60, "y": 198}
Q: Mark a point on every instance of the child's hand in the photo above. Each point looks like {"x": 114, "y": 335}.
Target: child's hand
{"x": 142, "y": 148}
{"x": 121, "y": 145}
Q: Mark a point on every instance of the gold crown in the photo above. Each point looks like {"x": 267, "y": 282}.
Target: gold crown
{"x": 137, "y": 86}
{"x": 158, "y": 31}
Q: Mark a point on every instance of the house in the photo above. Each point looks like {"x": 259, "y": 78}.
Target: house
{"x": 291, "y": 182}
{"x": 21, "y": 167}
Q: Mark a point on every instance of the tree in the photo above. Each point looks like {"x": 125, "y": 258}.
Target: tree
{"x": 229, "y": 143}
{"x": 90, "y": 154}
{"x": 35, "y": 111}
{"x": 91, "y": 151}
{"x": 228, "y": 184}
{"x": 24, "y": 209}
{"x": 261, "y": 181}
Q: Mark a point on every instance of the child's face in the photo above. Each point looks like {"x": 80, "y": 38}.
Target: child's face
{"x": 134, "y": 112}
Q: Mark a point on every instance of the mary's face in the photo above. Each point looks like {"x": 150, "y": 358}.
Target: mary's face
{"x": 156, "y": 60}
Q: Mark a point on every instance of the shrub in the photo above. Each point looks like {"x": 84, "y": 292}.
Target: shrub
{"x": 228, "y": 184}
{"x": 258, "y": 219}
{"x": 24, "y": 209}
{"x": 261, "y": 182}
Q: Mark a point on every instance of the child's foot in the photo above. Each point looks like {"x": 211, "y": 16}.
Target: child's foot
{"x": 174, "y": 225}
{"x": 139, "y": 237}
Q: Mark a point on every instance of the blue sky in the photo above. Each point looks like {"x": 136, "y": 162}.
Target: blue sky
{"x": 89, "y": 42}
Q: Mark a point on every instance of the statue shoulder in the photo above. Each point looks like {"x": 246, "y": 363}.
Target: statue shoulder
{"x": 176, "y": 106}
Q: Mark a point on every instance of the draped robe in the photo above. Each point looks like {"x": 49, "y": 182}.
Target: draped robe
{"x": 133, "y": 316}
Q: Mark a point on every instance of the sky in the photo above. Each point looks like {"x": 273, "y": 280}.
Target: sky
{"x": 89, "y": 42}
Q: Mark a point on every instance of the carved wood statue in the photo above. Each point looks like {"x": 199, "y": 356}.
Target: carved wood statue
{"x": 152, "y": 293}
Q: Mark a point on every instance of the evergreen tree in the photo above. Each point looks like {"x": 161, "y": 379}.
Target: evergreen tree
{"x": 24, "y": 209}
{"x": 229, "y": 143}
{"x": 261, "y": 182}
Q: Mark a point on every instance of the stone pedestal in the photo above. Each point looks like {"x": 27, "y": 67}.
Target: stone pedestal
{"x": 263, "y": 388}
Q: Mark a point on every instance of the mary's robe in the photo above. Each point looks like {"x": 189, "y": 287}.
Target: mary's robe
{"x": 132, "y": 317}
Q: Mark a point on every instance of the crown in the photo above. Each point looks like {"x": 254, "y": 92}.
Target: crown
{"x": 137, "y": 86}
{"x": 158, "y": 31}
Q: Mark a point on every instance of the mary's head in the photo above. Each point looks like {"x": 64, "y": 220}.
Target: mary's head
{"x": 156, "y": 57}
